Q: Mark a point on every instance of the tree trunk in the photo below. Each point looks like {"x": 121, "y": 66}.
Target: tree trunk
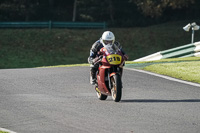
{"x": 111, "y": 10}
{"x": 74, "y": 11}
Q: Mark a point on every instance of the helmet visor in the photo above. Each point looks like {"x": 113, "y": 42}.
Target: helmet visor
{"x": 107, "y": 42}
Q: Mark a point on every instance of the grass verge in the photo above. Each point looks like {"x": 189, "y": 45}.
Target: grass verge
{"x": 180, "y": 68}
{"x": 3, "y": 132}
{"x": 72, "y": 65}
{"x": 184, "y": 70}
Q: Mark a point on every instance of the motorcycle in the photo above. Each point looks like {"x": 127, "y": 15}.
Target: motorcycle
{"x": 109, "y": 74}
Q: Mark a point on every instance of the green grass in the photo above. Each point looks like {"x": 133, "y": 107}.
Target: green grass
{"x": 180, "y": 68}
{"x": 71, "y": 65}
{"x": 3, "y": 132}
{"x": 142, "y": 65}
{"x": 41, "y": 47}
{"x": 184, "y": 70}
{"x": 25, "y": 48}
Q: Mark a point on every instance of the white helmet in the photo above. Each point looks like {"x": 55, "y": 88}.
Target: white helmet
{"x": 107, "y": 38}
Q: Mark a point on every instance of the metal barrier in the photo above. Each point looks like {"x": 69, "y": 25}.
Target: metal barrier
{"x": 178, "y": 51}
{"x": 51, "y": 24}
{"x": 188, "y": 50}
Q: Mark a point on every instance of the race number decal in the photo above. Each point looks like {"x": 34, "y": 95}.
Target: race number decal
{"x": 114, "y": 59}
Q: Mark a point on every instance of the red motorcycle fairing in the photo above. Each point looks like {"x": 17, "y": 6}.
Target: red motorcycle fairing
{"x": 101, "y": 80}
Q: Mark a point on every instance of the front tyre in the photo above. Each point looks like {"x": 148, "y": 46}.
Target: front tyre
{"x": 100, "y": 95}
{"x": 116, "y": 90}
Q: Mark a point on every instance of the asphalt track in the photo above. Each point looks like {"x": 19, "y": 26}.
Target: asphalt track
{"x": 61, "y": 100}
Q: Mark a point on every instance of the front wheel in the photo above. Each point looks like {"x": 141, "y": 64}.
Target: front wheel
{"x": 116, "y": 90}
{"x": 100, "y": 95}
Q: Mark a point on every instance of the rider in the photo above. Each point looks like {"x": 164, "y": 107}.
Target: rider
{"x": 108, "y": 38}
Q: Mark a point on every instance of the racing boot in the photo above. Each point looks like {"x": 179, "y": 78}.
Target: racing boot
{"x": 92, "y": 78}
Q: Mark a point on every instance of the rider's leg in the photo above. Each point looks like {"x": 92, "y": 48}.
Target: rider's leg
{"x": 93, "y": 70}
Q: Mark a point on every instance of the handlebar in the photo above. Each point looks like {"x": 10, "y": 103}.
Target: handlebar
{"x": 98, "y": 59}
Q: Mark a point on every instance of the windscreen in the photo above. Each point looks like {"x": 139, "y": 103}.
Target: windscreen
{"x": 112, "y": 49}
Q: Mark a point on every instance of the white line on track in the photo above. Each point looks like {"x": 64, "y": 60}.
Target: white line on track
{"x": 6, "y": 130}
{"x": 165, "y": 77}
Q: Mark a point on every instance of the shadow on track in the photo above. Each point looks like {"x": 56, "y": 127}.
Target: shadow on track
{"x": 159, "y": 101}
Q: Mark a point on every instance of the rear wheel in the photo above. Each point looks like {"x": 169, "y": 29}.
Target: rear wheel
{"x": 100, "y": 95}
{"x": 116, "y": 90}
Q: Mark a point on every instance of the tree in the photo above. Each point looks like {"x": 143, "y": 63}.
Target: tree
{"x": 155, "y": 8}
{"x": 119, "y": 13}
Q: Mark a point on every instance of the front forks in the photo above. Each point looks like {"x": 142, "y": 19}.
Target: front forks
{"x": 113, "y": 71}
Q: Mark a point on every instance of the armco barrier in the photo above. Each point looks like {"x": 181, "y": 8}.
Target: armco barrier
{"x": 51, "y": 24}
{"x": 188, "y": 50}
{"x": 178, "y": 52}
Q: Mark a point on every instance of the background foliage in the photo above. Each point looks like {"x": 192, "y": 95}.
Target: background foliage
{"x": 22, "y": 48}
{"x": 142, "y": 27}
{"x": 117, "y": 13}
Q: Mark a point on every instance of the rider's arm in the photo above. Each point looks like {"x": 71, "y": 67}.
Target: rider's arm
{"x": 94, "y": 51}
{"x": 120, "y": 47}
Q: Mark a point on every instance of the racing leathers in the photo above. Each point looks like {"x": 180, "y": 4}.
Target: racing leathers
{"x": 93, "y": 54}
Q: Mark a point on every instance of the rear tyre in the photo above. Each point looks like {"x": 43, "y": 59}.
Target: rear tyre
{"x": 116, "y": 90}
{"x": 100, "y": 95}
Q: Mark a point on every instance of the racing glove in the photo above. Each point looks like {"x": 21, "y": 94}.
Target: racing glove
{"x": 125, "y": 57}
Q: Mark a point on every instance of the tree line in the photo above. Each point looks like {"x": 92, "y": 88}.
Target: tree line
{"x": 116, "y": 13}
